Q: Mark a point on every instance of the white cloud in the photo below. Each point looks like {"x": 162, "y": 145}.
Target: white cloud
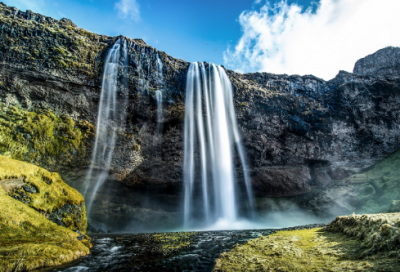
{"x": 283, "y": 38}
{"x": 128, "y": 9}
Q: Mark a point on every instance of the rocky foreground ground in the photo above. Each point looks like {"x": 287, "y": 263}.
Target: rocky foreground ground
{"x": 349, "y": 243}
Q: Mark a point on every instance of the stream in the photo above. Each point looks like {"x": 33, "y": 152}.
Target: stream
{"x": 133, "y": 252}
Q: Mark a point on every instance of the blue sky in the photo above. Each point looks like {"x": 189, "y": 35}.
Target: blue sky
{"x": 317, "y": 37}
{"x": 182, "y": 28}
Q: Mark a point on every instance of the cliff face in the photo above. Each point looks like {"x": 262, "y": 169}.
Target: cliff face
{"x": 384, "y": 62}
{"x": 301, "y": 133}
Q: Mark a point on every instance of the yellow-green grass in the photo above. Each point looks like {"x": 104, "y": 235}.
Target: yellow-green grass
{"x": 28, "y": 240}
{"x": 52, "y": 192}
{"x": 303, "y": 250}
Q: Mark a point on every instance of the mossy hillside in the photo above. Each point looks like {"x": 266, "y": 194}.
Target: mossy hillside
{"x": 302, "y": 250}
{"x": 43, "y": 137}
{"x": 51, "y": 192}
{"x": 29, "y": 240}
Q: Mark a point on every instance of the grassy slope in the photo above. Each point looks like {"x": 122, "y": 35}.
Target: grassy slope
{"x": 52, "y": 194}
{"x": 374, "y": 246}
{"x": 29, "y": 240}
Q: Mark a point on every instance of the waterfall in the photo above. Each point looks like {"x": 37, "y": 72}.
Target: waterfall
{"x": 110, "y": 116}
{"x": 210, "y": 137}
{"x": 159, "y": 65}
{"x": 158, "y": 95}
{"x": 159, "y": 77}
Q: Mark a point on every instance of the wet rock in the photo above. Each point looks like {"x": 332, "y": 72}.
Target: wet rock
{"x": 30, "y": 189}
{"x": 81, "y": 235}
{"x": 67, "y": 215}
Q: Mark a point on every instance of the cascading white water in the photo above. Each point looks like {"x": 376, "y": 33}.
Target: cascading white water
{"x": 209, "y": 148}
{"x": 159, "y": 64}
{"x": 108, "y": 119}
{"x": 158, "y": 95}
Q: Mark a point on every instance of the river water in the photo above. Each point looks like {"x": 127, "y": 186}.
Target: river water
{"x": 133, "y": 252}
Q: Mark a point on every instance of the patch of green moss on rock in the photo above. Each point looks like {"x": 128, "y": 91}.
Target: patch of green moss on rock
{"x": 45, "y": 192}
{"x": 43, "y": 137}
{"x": 170, "y": 242}
{"x": 28, "y": 239}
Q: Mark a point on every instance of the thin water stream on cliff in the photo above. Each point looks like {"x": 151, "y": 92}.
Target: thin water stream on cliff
{"x": 109, "y": 119}
{"x": 133, "y": 252}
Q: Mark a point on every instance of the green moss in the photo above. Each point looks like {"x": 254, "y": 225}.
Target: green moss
{"x": 60, "y": 49}
{"x": 52, "y": 193}
{"x": 42, "y": 137}
{"x": 62, "y": 63}
{"x": 167, "y": 243}
{"x": 136, "y": 147}
{"x": 29, "y": 240}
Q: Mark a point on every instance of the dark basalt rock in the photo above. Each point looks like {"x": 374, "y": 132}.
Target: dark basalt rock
{"x": 299, "y": 132}
{"x": 384, "y": 62}
{"x": 65, "y": 215}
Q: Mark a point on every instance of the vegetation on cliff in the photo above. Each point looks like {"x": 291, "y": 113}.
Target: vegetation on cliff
{"x": 74, "y": 49}
{"x": 29, "y": 197}
{"x": 349, "y": 243}
{"x": 43, "y": 137}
